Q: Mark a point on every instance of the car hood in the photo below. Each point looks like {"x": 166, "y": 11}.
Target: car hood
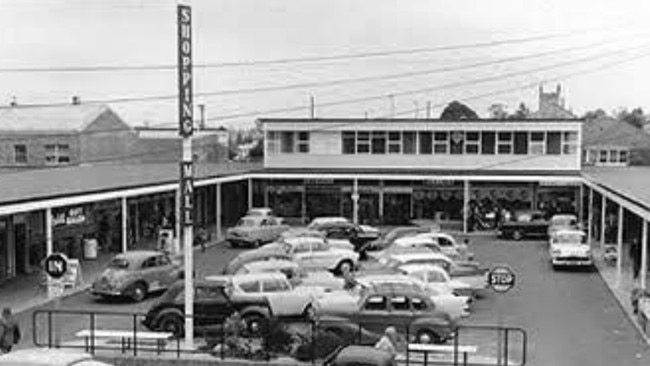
{"x": 336, "y": 302}
{"x": 369, "y": 230}
{"x": 112, "y": 275}
{"x": 571, "y": 249}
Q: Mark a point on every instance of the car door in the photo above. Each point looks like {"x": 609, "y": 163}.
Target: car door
{"x": 211, "y": 306}
{"x": 302, "y": 254}
{"x": 168, "y": 272}
{"x": 150, "y": 273}
{"x": 400, "y": 313}
{"x": 322, "y": 257}
{"x": 538, "y": 227}
{"x": 373, "y": 314}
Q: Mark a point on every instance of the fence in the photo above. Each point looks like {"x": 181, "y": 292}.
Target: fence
{"x": 304, "y": 340}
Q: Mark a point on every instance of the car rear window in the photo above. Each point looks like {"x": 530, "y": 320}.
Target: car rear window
{"x": 120, "y": 263}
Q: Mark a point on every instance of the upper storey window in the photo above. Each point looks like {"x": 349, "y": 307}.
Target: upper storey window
{"x": 287, "y": 142}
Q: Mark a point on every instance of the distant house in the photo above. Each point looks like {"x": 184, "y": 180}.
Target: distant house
{"x": 157, "y": 146}
{"x": 610, "y": 142}
{"x": 62, "y": 135}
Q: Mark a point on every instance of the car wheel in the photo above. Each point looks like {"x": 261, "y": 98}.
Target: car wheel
{"x": 257, "y": 243}
{"x": 138, "y": 292}
{"x": 172, "y": 323}
{"x": 517, "y": 235}
{"x": 254, "y": 323}
{"x": 233, "y": 244}
{"x": 429, "y": 336}
{"x": 344, "y": 267}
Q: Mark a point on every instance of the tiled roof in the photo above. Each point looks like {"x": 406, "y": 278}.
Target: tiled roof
{"x": 410, "y": 120}
{"x": 69, "y": 118}
{"x": 608, "y": 131}
{"x": 31, "y": 185}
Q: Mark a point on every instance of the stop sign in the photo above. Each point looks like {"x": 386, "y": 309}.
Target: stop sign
{"x": 56, "y": 265}
{"x": 501, "y": 278}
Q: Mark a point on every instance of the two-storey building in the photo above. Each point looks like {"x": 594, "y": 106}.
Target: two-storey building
{"x": 394, "y": 170}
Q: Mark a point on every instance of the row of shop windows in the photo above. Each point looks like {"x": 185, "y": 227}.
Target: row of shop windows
{"x": 605, "y": 156}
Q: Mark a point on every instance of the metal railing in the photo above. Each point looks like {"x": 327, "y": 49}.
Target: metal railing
{"x": 502, "y": 345}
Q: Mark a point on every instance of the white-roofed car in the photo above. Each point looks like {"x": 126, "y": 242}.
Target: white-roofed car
{"x": 469, "y": 272}
{"x": 316, "y": 253}
{"x": 570, "y": 248}
{"x": 455, "y": 306}
{"x": 297, "y": 275}
{"x": 563, "y": 222}
{"x": 435, "y": 277}
{"x": 342, "y": 228}
{"x": 449, "y": 246}
{"x": 284, "y": 299}
{"x": 48, "y": 357}
{"x": 255, "y": 231}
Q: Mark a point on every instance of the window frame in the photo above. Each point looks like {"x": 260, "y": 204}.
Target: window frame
{"x": 473, "y": 143}
{"x": 394, "y": 142}
{"x": 22, "y": 154}
{"x": 54, "y": 154}
{"x": 505, "y": 143}
{"x": 441, "y": 142}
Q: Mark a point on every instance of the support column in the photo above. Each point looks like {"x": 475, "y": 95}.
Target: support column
{"x": 619, "y": 246}
{"x": 579, "y": 204}
{"x": 250, "y": 193}
{"x": 125, "y": 228}
{"x": 603, "y": 215}
{"x": 381, "y": 202}
{"x": 355, "y": 201}
{"x": 49, "y": 244}
{"x": 644, "y": 255}
{"x": 218, "y": 215}
{"x": 590, "y": 215}
{"x": 465, "y": 205}
{"x": 303, "y": 205}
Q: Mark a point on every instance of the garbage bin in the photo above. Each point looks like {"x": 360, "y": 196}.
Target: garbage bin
{"x": 90, "y": 248}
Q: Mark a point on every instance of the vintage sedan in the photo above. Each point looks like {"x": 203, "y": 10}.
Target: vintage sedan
{"x": 570, "y": 248}
{"x": 135, "y": 274}
{"x": 296, "y": 275}
{"x": 435, "y": 277}
{"x": 342, "y": 228}
{"x": 386, "y": 240}
{"x": 255, "y": 231}
{"x": 316, "y": 253}
{"x": 449, "y": 246}
{"x": 284, "y": 299}
{"x": 411, "y": 312}
{"x": 445, "y": 301}
{"x": 257, "y": 255}
{"x": 525, "y": 223}
{"x": 562, "y": 222}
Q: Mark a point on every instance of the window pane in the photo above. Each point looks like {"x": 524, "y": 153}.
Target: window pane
{"x": 440, "y": 148}
{"x": 623, "y": 156}
{"x": 394, "y": 136}
{"x": 554, "y": 143}
{"x": 521, "y": 143}
{"x": 408, "y": 142}
{"x": 375, "y": 303}
{"x": 379, "y": 142}
{"x": 303, "y": 136}
{"x": 426, "y": 142}
{"x": 570, "y": 136}
{"x": 488, "y": 140}
{"x": 348, "y": 142}
{"x": 457, "y": 139}
{"x": 613, "y": 156}
{"x": 602, "y": 156}
{"x": 286, "y": 142}
{"x": 399, "y": 303}
{"x": 441, "y": 136}
{"x": 505, "y": 149}
{"x": 505, "y": 136}
{"x": 471, "y": 149}
{"x": 472, "y": 136}
{"x": 537, "y": 136}
{"x": 569, "y": 149}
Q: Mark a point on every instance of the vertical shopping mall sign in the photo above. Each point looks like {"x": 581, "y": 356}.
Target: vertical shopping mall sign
{"x": 185, "y": 110}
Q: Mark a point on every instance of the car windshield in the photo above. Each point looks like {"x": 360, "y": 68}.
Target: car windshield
{"x": 120, "y": 263}
{"x": 564, "y": 221}
{"x": 246, "y": 222}
{"x": 569, "y": 238}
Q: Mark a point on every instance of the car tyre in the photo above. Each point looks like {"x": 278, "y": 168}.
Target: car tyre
{"x": 517, "y": 235}
{"x": 138, "y": 292}
{"x": 233, "y": 244}
{"x": 428, "y": 336}
{"x": 254, "y": 323}
{"x": 172, "y": 323}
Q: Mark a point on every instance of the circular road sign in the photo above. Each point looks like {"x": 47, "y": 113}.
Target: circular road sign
{"x": 56, "y": 265}
{"x": 501, "y": 278}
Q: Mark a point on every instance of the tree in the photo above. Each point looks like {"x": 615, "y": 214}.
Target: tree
{"x": 596, "y": 114}
{"x": 522, "y": 112}
{"x": 635, "y": 117}
{"x": 455, "y": 111}
{"x": 257, "y": 152}
{"x": 498, "y": 111}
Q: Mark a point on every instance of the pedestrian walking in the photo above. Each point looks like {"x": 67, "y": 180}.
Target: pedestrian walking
{"x": 388, "y": 341}
{"x": 9, "y": 331}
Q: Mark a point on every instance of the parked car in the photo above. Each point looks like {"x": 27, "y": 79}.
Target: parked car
{"x": 255, "y": 231}
{"x": 525, "y": 223}
{"x": 355, "y": 355}
{"x": 570, "y": 248}
{"x": 411, "y": 312}
{"x": 213, "y": 304}
{"x": 449, "y": 246}
{"x": 136, "y": 273}
{"x": 435, "y": 277}
{"x": 340, "y": 227}
{"x": 48, "y": 357}
{"x": 445, "y": 301}
{"x": 387, "y": 239}
{"x": 297, "y": 275}
{"x": 284, "y": 298}
{"x": 316, "y": 253}
{"x": 563, "y": 221}
{"x": 260, "y": 211}
{"x": 296, "y": 232}
{"x": 254, "y": 256}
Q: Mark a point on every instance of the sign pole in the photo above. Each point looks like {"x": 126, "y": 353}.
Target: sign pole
{"x": 186, "y": 129}
{"x": 501, "y": 279}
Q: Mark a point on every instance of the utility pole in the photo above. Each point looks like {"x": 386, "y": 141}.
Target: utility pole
{"x": 202, "y": 122}
{"x": 312, "y": 110}
{"x": 186, "y": 184}
{"x": 428, "y": 109}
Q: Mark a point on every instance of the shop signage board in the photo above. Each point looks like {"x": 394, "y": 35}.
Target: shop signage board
{"x": 186, "y": 109}
{"x": 187, "y": 193}
{"x": 69, "y": 216}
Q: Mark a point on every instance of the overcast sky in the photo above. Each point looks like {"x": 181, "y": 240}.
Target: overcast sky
{"x": 598, "y": 59}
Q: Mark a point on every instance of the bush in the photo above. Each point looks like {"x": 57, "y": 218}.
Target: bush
{"x": 323, "y": 344}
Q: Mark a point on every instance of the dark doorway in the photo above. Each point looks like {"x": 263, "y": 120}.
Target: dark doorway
{"x": 20, "y": 239}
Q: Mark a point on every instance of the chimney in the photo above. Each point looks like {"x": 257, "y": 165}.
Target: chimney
{"x": 76, "y": 100}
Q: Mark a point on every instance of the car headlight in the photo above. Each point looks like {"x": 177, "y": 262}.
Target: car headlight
{"x": 556, "y": 252}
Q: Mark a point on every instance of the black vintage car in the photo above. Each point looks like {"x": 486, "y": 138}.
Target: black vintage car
{"x": 213, "y": 304}
{"x": 524, "y": 224}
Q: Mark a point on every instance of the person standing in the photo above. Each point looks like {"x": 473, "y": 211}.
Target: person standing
{"x": 635, "y": 256}
{"x": 9, "y": 331}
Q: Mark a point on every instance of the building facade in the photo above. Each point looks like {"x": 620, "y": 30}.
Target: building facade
{"x": 392, "y": 171}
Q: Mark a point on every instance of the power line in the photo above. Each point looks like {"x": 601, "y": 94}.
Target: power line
{"x": 308, "y": 59}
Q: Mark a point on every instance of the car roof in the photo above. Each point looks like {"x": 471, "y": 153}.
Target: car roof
{"x": 422, "y": 267}
{"x": 45, "y": 357}
{"x": 303, "y": 239}
{"x": 569, "y": 231}
{"x": 138, "y": 254}
{"x": 423, "y": 255}
{"x": 238, "y": 278}
{"x": 415, "y": 239}
{"x": 255, "y": 218}
{"x": 270, "y": 263}
{"x": 366, "y": 355}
